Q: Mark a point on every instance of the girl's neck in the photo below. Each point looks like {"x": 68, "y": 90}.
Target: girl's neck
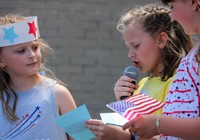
{"x": 157, "y": 71}
{"x": 196, "y": 39}
{"x": 26, "y": 83}
{"x": 196, "y": 22}
{"x": 155, "y": 74}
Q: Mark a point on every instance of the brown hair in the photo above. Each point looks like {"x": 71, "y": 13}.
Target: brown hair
{"x": 154, "y": 19}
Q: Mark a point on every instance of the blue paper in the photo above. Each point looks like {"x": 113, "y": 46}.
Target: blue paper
{"x": 73, "y": 123}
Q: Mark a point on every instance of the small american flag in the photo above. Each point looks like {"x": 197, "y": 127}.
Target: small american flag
{"x": 133, "y": 106}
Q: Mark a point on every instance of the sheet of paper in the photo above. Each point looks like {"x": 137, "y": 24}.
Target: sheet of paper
{"x": 73, "y": 123}
{"x": 113, "y": 118}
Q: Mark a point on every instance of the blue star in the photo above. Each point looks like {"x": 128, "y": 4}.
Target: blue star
{"x": 10, "y": 34}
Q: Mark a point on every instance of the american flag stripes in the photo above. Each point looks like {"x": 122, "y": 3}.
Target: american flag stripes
{"x": 133, "y": 106}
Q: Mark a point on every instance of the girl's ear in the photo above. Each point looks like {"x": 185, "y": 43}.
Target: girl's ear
{"x": 162, "y": 40}
{"x": 2, "y": 63}
{"x": 195, "y": 5}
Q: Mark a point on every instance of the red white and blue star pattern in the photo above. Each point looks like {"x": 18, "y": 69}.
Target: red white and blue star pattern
{"x": 183, "y": 99}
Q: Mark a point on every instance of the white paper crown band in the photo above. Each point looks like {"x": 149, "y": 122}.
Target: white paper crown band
{"x": 20, "y": 32}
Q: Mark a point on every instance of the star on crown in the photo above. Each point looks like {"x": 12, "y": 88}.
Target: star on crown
{"x": 32, "y": 28}
{"x": 10, "y": 34}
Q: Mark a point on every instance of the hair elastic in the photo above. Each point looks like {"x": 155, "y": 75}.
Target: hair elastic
{"x": 158, "y": 125}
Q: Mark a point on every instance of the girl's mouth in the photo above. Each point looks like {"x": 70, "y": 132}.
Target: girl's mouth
{"x": 31, "y": 64}
{"x": 136, "y": 63}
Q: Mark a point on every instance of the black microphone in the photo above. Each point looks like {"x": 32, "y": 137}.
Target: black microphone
{"x": 133, "y": 73}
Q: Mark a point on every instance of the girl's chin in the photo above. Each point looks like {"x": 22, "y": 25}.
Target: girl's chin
{"x": 143, "y": 70}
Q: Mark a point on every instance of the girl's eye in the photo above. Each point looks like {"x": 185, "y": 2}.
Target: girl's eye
{"x": 171, "y": 7}
{"x": 21, "y": 51}
{"x": 133, "y": 45}
{"x": 35, "y": 47}
{"x": 136, "y": 46}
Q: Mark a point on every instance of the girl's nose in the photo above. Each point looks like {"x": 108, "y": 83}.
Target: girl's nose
{"x": 31, "y": 54}
{"x": 131, "y": 54}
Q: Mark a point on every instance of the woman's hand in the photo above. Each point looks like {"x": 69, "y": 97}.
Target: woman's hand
{"x": 124, "y": 87}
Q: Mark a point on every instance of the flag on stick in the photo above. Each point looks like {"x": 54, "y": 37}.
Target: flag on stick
{"x": 133, "y": 106}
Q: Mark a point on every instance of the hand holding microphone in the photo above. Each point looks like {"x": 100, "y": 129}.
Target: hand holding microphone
{"x": 123, "y": 88}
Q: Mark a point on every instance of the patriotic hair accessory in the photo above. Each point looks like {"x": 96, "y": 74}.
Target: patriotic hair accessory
{"x": 20, "y": 32}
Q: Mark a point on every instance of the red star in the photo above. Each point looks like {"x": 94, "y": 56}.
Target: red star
{"x": 32, "y": 29}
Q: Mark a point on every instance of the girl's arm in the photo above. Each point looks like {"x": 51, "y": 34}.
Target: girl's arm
{"x": 145, "y": 126}
{"x": 110, "y": 132}
{"x": 64, "y": 100}
{"x": 186, "y": 128}
{"x": 107, "y": 132}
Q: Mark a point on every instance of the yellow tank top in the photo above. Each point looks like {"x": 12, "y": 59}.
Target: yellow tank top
{"x": 155, "y": 88}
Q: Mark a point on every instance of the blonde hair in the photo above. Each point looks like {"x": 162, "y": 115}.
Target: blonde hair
{"x": 6, "y": 93}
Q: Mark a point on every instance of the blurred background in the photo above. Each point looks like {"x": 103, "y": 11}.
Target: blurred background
{"x": 90, "y": 54}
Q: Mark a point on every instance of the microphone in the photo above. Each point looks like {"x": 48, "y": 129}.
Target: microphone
{"x": 133, "y": 73}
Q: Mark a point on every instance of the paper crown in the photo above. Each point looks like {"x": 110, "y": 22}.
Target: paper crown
{"x": 20, "y": 32}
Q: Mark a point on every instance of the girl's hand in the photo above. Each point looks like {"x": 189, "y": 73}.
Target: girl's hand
{"x": 106, "y": 132}
{"x": 144, "y": 126}
{"x": 124, "y": 87}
